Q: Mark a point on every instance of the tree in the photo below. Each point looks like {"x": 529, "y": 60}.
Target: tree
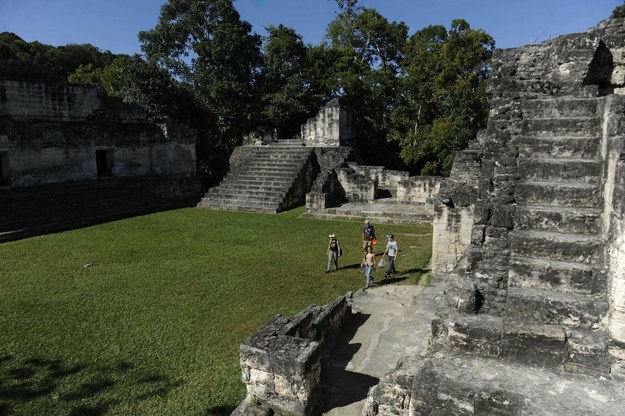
{"x": 443, "y": 100}
{"x": 369, "y": 55}
{"x": 287, "y": 98}
{"x": 618, "y": 12}
{"x": 62, "y": 60}
{"x": 205, "y": 45}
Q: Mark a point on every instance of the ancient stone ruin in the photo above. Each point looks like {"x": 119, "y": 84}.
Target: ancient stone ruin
{"x": 57, "y": 132}
{"x": 321, "y": 168}
{"x": 530, "y": 244}
{"x": 70, "y": 155}
{"x": 528, "y": 236}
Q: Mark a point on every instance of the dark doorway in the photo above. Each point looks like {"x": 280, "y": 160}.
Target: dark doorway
{"x": 4, "y": 168}
{"x": 104, "y": 162}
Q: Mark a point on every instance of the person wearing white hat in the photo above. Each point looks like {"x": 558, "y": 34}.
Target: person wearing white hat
{"x": 334, "y": 252}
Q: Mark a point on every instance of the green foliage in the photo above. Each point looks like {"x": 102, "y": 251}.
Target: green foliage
{"x": 443, "y": 98}
{"x": 290, "y": 93}
{"x": 145, "y": 316}
{"x": 205, "y": 45}
{"x": 215, "y": 60}
{"x": 62, "y": 60}
{"x": 368, "y": 53}
{"x": 618, "y": 12}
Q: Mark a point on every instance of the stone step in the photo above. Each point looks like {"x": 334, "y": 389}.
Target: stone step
{"x": 558, "y": 194}
{"x": 239, "y": 206}
{"x": 492, "y": 336}
{"x": 279, "y": 158}
{"x": 252, "y": 178}
{"x": 244, "y": 193}
{"x": 587, "y": 351}
{"x": 562, "y": 107}
{"x": 290, "y": 163}
{"x": 558, "y": 219}
{"x": 261, "y": 169}
{"x": 243, "y": 197}
{"x": 283, "y": 150}
{"x": 552, "y": 345}
{"x": 448, "y": 383}
{"x": 559, "y": 147}
{"x": 288, "y": 142}
{"x": 253, "y": 185}
{"x": 556, "y": 275}
{"x": 570, "y": 127}
{"x": 556, "y": 308}
{"x": 560, "y": 170}
{"x": 581, "y": 248}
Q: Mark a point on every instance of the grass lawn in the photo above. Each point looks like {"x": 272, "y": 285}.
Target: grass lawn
{"x": 145, "y": 316}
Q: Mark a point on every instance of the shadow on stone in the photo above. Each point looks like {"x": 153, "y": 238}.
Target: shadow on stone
{"x": 340, "y": 386}
{"x": 345, "y": 388}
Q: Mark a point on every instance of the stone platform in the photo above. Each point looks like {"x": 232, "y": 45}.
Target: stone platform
{"x": 380, "y": 211}
{"x": 389, "y": 321}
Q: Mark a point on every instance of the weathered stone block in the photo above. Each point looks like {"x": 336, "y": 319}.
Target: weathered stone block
{"x": 547, "y": 344}
{"x": 572, "y": 310}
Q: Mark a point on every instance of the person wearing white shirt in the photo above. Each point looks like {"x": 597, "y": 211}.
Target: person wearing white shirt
{"x": 391, "y": 250}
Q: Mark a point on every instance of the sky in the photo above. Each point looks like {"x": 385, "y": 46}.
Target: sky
{"x": 113, "y": 24}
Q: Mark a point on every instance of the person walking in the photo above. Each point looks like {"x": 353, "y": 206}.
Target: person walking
{"x": 368, "y": 235}
{"x": 392, "y": 249}
{"x": 369, "y": 261}
{"x": 334, "y": 252}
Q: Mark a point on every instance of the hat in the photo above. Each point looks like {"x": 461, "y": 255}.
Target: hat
{"x": 390, "y": 235}
{"x": 332, "y": 236}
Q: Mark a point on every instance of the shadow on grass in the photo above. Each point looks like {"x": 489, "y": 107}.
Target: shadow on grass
{"x": 220, "y": 411}
{"x": 51, "y": 386}
{"x": 351, "y": 266}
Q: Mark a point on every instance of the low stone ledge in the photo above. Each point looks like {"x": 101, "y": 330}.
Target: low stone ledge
{"x": 280, "y": 363}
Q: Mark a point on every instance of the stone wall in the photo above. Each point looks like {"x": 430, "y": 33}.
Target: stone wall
{"x": 353, "y": 182}
{"x": 614, "y": 215}
{"x": 453, "y": 209}
{"x": 332, "y": 126}
{"x": 280, "y": 363}
{"x": 54, "y": 132}
{"x": 418, "y": 189}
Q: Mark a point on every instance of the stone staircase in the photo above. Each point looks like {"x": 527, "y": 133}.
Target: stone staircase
{"x": 555, "y": 299}
{"x": 557, "y": 247}
{"x": 552, "y": 325}
{"x": 271, "y": 181}
{"x": 552, "y": 328}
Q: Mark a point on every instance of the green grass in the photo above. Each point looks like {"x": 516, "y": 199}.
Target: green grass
{"x": 145, "y": 316}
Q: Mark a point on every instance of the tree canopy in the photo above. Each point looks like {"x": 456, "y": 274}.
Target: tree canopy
{"x": 443, "y": 99}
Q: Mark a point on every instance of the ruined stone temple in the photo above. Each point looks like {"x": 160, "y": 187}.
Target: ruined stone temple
{"x": 64, "y": 147}
{"x": 321, "y": 168}
{"x": 529, "y": 242}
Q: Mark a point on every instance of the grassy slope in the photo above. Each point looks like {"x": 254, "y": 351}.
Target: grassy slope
{"x": 145, "y": 316}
